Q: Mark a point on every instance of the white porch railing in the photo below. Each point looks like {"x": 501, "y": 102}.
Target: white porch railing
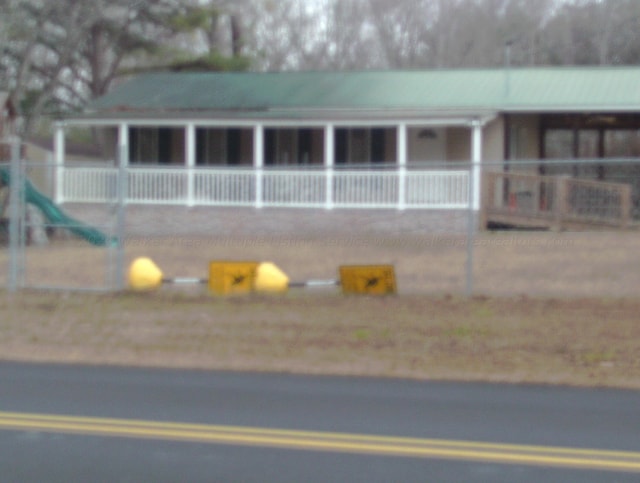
{"x": 401, "y": 188}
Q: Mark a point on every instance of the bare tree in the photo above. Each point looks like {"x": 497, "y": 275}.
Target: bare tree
{"x": 594, "y": 32}
{"x": 58, "y": 55}
{"x": 401, "y": 28}
{"x": 284, "y": 34}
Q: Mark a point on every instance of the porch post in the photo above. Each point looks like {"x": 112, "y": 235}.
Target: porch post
{"x": 476, "y": 159}
{"x": 329, "y": 161}
{"x": 123, "y": 154}
{"x": 258, "y": 163}
{"x": 402, "y": 154}
{"x": 123, "y": 144}
{"x": 190, "y": 161}
{"x": 59, "y": 150}
{"x": 475, "y": 185}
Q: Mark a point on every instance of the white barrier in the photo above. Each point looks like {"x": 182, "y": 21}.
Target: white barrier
{"x": 373, "y": 189}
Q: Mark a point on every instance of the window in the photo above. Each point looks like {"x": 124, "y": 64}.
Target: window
{"x": 153, "y": 145}
{"x": 143, "y": 145}
{"x": 211, "y": 146}
{"x": 558, "y": 144}
{"x": 621, "y": 143}
{"x": 285, "y": 146}
{"x": 363, "y": 145}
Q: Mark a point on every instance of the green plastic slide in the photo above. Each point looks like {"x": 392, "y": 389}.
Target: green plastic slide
{"x": 54, "y": 215}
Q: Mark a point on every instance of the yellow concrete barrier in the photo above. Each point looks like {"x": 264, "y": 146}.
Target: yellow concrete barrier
{"x": 269, "y": 278}
{"x": 368, "y": 279}
{"x": 228, "y": 278}
{"x": 144, "y": 274}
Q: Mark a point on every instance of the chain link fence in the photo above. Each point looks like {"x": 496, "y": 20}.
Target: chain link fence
{"x": 52, "y": 246}
{"x": 552, "y": 228}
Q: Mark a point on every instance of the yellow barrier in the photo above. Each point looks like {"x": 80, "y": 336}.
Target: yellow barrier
{"x": 144, "y": 274}
{"x": 269, "y": 278}
{"x": 368, "y": 279}
{"x": 228, "y": 278}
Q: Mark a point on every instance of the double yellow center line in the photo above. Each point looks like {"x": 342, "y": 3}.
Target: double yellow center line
{"x": 323, "y": 441}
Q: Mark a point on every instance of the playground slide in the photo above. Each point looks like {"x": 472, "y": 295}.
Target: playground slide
{"x": 54, "y": 215}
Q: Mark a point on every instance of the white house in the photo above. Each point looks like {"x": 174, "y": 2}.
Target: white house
{"x": 397, "y": 139}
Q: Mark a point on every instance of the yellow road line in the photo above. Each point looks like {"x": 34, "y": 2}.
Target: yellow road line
{"x": 321, "y": 441}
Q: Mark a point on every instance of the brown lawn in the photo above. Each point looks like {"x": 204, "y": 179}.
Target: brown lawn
{"x": 548, "y": 308}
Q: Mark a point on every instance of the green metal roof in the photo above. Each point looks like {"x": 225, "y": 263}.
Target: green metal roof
{"x": 297, "y": 93}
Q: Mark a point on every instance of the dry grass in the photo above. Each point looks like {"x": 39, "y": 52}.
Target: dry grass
{"x": 506, "y": 264}
{"x": 578, "y": 342}
{"x": 555, "y": 308}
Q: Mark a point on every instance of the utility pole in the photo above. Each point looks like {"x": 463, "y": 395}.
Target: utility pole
{"x": 507, "y": 68}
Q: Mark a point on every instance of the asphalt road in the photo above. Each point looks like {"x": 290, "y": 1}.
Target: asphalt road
{"x": 76, "y": 423}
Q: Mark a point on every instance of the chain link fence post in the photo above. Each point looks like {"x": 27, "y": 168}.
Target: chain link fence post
{"x": 471, "y": 233}
{"x": 120, "y": 229}
{"x": 16, "y": 218}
